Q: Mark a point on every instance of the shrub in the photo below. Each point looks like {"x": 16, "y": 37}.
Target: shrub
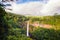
{"x": 45, "y": 34}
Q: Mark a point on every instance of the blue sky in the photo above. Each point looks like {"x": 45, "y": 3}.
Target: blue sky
{"x": 23, "y": 1}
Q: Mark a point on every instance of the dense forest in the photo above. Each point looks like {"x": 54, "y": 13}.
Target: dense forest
{"x": 13, "y": 27}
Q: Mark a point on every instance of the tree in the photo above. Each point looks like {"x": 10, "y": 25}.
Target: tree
{"x": 45, "y": 34}
{"x": 3, "y": 24}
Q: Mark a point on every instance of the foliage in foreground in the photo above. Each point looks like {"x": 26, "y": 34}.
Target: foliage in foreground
{"x": 17, "y": 34}
{"x": 3, "y": 24}
{"x": 15, "y": 27}
{"x": 46, "y": 34}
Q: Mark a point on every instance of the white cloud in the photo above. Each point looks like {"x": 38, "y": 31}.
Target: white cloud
{"x": 37, "y": 8}
{"x": 30, "y": 8}
{"x": 52, "y": 7}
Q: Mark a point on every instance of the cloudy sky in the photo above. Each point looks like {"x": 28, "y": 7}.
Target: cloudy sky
{"x": 36, "y": 7}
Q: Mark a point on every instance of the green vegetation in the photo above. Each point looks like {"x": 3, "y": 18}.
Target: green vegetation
{"x": 16, "y": 26}
{"x": 45, "y": 34}
{"x": 3, "y": 24}
{"x": 13, "y": 27}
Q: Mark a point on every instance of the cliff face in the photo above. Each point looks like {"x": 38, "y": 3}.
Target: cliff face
{"x": 36, "y": 24}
